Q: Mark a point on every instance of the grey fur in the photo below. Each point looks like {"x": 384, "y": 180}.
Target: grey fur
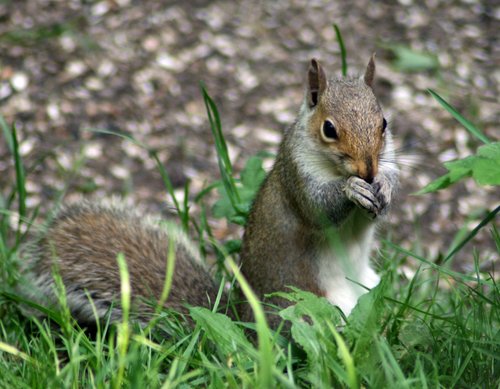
{"x": 83, "y": 241}
{"x": 315, "y": 186}
{"x": 344, "y": 185}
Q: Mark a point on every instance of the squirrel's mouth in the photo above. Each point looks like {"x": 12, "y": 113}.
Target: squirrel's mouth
{"x": 340, "y": 166}
{"x": 333, "y": 164}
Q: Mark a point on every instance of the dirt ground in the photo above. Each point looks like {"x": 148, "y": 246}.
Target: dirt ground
{"x": 136, "y": 67}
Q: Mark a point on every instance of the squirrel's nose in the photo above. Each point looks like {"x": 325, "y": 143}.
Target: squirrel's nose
{"x": 366, "y": 170}
{"x": 368, "y": 178}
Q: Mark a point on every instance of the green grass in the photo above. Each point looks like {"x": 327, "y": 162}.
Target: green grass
{"x": 437, "y": 329}
{"x": 41, "y": 34}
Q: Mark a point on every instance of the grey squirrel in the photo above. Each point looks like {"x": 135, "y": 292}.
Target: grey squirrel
{"x": 313, "y": 221}
{"x": 311, "y": 225}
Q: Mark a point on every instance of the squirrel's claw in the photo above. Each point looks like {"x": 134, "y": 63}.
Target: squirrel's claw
{"x": 363, "y": 195}
{"x": 383, "y": 192}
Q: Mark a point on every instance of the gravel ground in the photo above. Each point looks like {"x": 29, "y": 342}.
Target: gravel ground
{"x": 136, "y": 67}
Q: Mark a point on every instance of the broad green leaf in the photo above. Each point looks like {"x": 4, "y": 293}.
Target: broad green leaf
{"x": 309, "y": 316}
{"x": 308, "y": 304}
{"x": 364, "y": 322}
{"x": 312, "y": 318}
{"x": 223, "y": 207}
{"x": 232, "y": 246}
{"x": 252, "y": 177}
{"x": 253, "y": 174}
{"x": 409, "y": 60}
{"x": 490, "y": 151}
{"x": 459, "y": 168}
{"x": 484, "y": 167}
{"x": 439, "y": 183}
{"x": 415, "y": 334}
{"x": 486, "y": 172}
{"x": 306, "y": 336}
{"x": 220, "y": 329}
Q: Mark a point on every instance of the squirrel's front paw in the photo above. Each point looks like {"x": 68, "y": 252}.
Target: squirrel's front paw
{"x": 363, "y": 195}
{"x": 383, "y": 192}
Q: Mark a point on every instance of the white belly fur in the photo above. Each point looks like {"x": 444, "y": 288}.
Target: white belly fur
{"x": 344, "y": 263}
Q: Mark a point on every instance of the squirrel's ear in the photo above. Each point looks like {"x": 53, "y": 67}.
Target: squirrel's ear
{"x": 370, "y": 71}
{"x": 316, "y": 82}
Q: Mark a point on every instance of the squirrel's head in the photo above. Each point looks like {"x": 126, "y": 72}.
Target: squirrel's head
{"x": 345, "y": 121}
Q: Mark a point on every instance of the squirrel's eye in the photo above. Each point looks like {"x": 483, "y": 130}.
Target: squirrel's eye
{"x": 384, "y": 125}
{"x": 328, "y": 131}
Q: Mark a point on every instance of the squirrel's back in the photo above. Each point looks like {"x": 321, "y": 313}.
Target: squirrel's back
{"x": 82, "y": 243}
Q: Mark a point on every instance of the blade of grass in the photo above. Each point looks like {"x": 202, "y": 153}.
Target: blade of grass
{"x": 98, "y": 337}
{"x": 7, "y": 348}
{"x": 183, "y": 214}
{"x": 205, "y": 191}
{"x": 67, "y": 322}
{"x": 20, "y": 183}
{"x": 463, "y": 121}
{"x": 4, "y": 228}
{"x": 169, "y": 276}
{"x": 394, "y": 376}
{"x": 225, "y": 167}
{"x": 345, "y": 355}
{"x": 185, "y": 203}
{"x": 496, "y": 237}
{"x": 187, "y": 354}
{"x": 171, "y": 374}
{"x": 123, "y": 335}
{"x": 463, "y": 366}
{"x": 414, "y": 308}
{"x": 457, "y": 276}
{"x": 216, "y": 127}
{"x": 202, "y": 229}
{"x": 403, "y": 304}
{"x": 266, "y": 360}
{"x": 472, "y": 234}
{"x": 186, "y": 377}
{"x": 7, "y": 134}
{"x": 169, "y": 272}
{"x": 343, "y": 53}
